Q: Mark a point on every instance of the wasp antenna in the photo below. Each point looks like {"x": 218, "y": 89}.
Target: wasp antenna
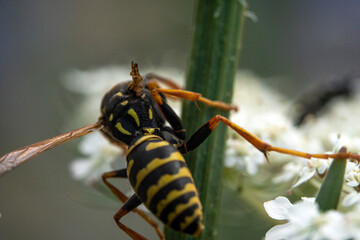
{"x": 134, "y": 69}
{"x": 137, "y": 84}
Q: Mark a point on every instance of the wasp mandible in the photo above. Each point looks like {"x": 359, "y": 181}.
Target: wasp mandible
{"x": 133, "y": 114}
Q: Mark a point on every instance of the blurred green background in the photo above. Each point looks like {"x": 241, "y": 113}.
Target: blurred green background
{"x": 293, "y": 44}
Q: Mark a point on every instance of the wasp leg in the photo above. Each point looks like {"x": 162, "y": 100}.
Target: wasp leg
{"x": 128, "y": 206}
{"x": 169, "y": 114}
{"x": 192, "y": 96}
{"x": 166, "y": 81}
{"x": 115, "y": 174}
{"x": 124, "y": 199}
{"x": 204, "y": 131}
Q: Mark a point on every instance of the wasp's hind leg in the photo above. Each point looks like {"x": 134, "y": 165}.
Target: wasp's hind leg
{"x": 130, "y": 204}
{"x": 204, "y": 131}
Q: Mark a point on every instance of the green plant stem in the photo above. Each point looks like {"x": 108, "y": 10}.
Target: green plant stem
{"x": 211, "y": 70}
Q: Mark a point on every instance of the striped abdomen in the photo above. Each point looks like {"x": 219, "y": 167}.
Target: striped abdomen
{"x": 160, "y": 178}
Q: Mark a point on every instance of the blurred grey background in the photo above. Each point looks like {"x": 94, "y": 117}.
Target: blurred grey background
{"x": 293, "y": 44}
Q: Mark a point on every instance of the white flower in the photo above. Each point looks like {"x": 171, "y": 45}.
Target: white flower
{"x": 289, "y": 171}
{"x": 305, "y": 174}
{"x": 263, "y": 113}
{"x": 313, "y": 166}
{"x": 99, "y": 154}
{"x": 279, "y": 208}
{"x": 305, "y": 221}
{"x": 352, "y": 199}
{"x": 352, "y": 176}
{"x": 250, "y": 158}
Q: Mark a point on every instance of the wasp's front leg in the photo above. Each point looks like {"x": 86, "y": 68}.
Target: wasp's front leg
{"x": 193, "y": 96}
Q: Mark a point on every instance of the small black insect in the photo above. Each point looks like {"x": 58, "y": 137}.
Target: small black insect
{"x": 311, "y": 103}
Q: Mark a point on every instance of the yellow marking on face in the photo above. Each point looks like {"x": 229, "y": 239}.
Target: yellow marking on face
{"x": 150, "y": 113}
{"x": 132, "y": 113}
{"x": 121, "y": 129}
{"x": 124, "y": 103}
{"x": 165, "y": 180}
{"x": 130, "y": 165}
{"x": 141, "y": 140}
{"x": 119, "y": 94}
{"x": 111, "y": 117}
{"x": 154, "y": 145}
{"x": 180, "y": 208}
{"x": 103, "y": 110}
{"x": 190, "y": 219}
{"x": 154, "y": 164}
{"x": 189, "y": 187}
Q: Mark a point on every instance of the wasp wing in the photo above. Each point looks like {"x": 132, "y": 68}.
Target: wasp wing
{"x": 19, "y": 156}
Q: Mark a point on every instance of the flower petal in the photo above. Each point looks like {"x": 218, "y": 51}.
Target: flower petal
{"x": 351, "y": 199}
{"x": 280, "y": 232}
{"x": 305, "y": 175}
{"x": 278, "y": 209}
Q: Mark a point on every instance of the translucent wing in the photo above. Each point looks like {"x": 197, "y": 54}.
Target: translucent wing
{"x": 19, "y": 156}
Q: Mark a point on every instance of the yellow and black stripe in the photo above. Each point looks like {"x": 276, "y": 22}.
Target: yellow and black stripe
{"x": 161, "y": 179}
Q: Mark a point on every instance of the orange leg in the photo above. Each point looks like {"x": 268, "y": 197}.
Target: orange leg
{"x": 130, "y": 204}
{"x": 171, "y": 84}
{"x": 192, "y": 96}
{"x": 200, "y": 135}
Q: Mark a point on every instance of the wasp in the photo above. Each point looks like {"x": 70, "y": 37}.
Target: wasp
{"x": 134, "y": 115}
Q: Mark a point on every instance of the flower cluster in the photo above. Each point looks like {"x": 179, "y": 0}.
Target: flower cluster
{"x": 98, "y": 156}
{"x": 267, "y": 114}
{"x": 306, "y": 221}
{"x": 328, "y": 132}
